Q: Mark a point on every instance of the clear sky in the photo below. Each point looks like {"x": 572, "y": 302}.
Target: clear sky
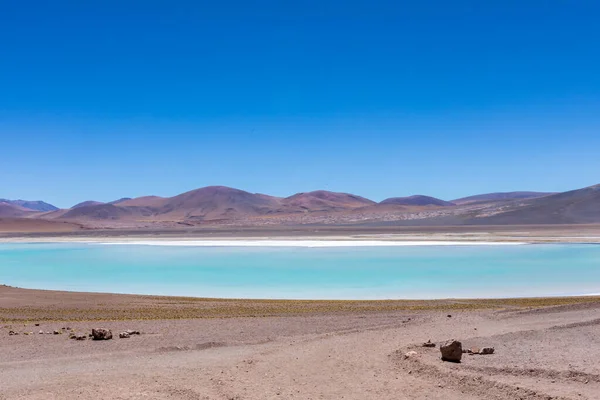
{"x": 101, "y": 100}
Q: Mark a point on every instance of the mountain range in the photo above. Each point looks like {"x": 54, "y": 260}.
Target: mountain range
{"x": 224, "y": 205}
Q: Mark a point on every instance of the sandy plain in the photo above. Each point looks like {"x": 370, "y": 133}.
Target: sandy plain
{"x": 247, "y": 349}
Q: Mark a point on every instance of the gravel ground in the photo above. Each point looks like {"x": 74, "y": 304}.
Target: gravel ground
{"x": 548, "y": 353}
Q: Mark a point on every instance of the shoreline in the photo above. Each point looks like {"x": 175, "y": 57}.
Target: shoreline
{"x": 557, "y": 299}
{"x": 304, "y": 243}
{"x": 24, "y": 304}
{"x": 325, "y": 236}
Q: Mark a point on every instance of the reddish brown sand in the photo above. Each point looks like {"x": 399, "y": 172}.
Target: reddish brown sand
{"x": 339, "y": 352}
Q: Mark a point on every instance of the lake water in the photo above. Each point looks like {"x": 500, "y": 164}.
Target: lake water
{"x": 306, "y": 273}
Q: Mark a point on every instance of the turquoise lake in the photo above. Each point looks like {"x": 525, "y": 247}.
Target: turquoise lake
{"x": 306, "y": 273}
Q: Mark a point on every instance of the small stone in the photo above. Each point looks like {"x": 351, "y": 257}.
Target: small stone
{"x": 80, "y": 337}
{"x": 474, "y": 350}
{"x": 101, "y": 334}
{"x": 451, "y": 351}
{"x": 428, "y": 344}
{"x": 132, "y": 332}
{"x": 37, "y": 324}
{"x": 57, "y": 332}
{"x": 41, "y": 332}
{"x": 72, "y": 336}
{"x": 410, "y": 354}
{"x": 486, "y": 350}
{"x": 124, "y": 335}
{"x": 449, "y": 316}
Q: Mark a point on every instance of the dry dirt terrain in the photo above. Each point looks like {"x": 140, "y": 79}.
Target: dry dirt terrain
{"x": 234, "y": 349}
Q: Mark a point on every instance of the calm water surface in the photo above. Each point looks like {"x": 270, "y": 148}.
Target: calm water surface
{"x": 306, "y": 273}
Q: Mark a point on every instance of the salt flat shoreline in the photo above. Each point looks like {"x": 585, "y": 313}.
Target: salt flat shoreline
{"x": 304, "y": 243}
{"x": 317, "y": 240}
{"x": 325, "y": 241}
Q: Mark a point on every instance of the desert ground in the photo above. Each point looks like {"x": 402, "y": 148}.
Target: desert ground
{"x": 246, "y": 349}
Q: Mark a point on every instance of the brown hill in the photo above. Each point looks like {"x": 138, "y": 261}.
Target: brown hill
{"x": 322, "y": 200}
{"x": 417, "y": 200}
{"x": 217, "y": 202}
{"x": 500, "y": 196}
{"x": 87, "y": 204}
{"x": 574, "y": 207}
{"x": 13, "y": 210}
{"x": 106, "y": 212}
{"x": 36, "y": 205}
{"x": 146, "y": 201}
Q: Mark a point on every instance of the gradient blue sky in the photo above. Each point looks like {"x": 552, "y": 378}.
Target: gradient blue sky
{"x": 446, "y": 98}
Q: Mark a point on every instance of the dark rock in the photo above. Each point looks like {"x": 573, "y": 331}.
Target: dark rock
{"x": 124, "y": 335}
{"x": 80, "y": 337}
{"x": 57, "y": 332}
{"x": 451, "y": 350}
{"x": 428, "y": 344}
{"x": 101, "y": 334}
{"x": 486, "y": 350}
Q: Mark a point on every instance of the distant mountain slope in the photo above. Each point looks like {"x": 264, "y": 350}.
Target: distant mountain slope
{"x": 574, "y": 207}
{"x": 322, "y": 200}
{"x": 87, "y": 204}
{"x": 105, "y": 212}
{"x": 217, "y": 202}
{"x": 220, "y": 204}
{"x": 500, "y": 196}
{"x": 417, "y": 200}
{"x": 146, "y": 201}
{"x": 119, "y": 201}
{"x": 31, "y": 205}
{"x": 12, "y": 210}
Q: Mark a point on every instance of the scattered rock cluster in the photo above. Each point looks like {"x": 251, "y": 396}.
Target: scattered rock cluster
{"x": 97, "y": 333}
{"x": 452, "y": 350}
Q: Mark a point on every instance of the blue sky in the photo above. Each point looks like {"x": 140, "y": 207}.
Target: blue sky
{"x": 381, "y": 99}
